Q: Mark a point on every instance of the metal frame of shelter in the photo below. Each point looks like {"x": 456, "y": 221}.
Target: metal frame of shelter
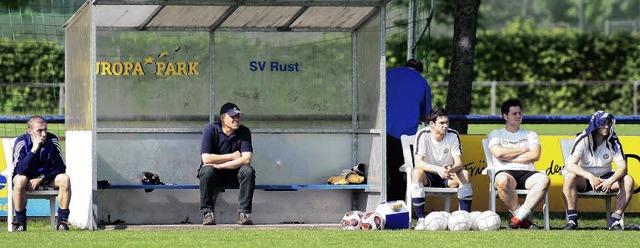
{"x": 90, "y": 142}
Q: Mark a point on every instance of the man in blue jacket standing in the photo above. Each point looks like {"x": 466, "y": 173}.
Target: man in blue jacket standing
{"x": 408, "y": 103}
{"x": 37, "y": 161}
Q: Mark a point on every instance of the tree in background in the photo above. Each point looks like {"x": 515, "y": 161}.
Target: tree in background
{"x": 464, "y": 43}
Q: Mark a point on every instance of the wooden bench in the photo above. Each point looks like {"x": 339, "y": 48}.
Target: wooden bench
{"x": 44, "y": 193}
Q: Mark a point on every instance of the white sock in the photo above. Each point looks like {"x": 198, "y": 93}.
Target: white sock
{"x": 523, "y": 212}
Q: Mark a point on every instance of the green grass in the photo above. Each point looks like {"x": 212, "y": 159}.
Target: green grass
{"x": 593, "y": 235}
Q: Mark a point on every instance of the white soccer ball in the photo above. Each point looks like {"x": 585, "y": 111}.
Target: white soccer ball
{"x": 459, "y": 221}
{"x": 435, "y": 221}
{"x": 474, "y": 215}
{"x": 352, "y": 220}
{"x": 372, "y": 221}
{"x": 445, "y": 214}
{"x": 488, "y": 221}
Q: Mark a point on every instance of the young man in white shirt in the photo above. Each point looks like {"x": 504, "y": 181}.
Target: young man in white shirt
{"x": 438, "y": 163}
{"x": 589, "y": 168}
{"x": 514, "y": 150}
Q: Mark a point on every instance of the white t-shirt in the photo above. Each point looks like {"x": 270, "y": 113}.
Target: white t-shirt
{"x": 596, "y": 162}
{"x": 521, "y": 138}
{"x": 438, "y": 153}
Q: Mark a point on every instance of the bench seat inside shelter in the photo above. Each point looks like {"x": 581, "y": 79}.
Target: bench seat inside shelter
{"x": 293, "y": 187}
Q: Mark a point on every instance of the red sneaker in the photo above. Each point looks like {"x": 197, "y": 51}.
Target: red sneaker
{"x": 514, "y": 223}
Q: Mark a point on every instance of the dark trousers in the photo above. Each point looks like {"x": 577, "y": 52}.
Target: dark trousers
{"x": 211, "y": 179}
{"x": 396, "y": 181}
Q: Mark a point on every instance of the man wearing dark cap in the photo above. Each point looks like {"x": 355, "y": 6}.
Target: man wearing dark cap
{"x": 226, "y": 161}
{"x": 408, "y": 103}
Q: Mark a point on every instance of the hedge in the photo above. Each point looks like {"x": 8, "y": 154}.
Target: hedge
{"x": 556, "y": 55}
{"x": 520, "y": 55}
{"x": 26, "y": 62}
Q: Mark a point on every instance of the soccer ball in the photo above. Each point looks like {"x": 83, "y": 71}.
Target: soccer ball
{"x": 351, "y": 220}
{"x": 435, "y": 221}
{"x": 372, "y": 221}
{"x": 445, "y": 214}
{"x": 474, "y": 215}
{"x": 488, "y": 221}
{"x": 459, "y": 221}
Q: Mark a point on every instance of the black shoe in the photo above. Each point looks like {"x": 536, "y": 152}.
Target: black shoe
{"x": 209, "y": 219}
{"x": 244, "y": 219}
{"x": 634, "y": 227}
{"x": 570, "y": 225}
{"x": 63, "y": 226}
{"x": 19, "y": 226}
{"x": 616, "y": 226}
{"x": 527, "y": 224}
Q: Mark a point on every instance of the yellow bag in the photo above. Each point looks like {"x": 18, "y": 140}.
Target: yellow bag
{"x": 353, "y": 176}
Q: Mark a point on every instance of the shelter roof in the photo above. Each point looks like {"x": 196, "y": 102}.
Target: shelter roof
{"x": 245, "y": 15}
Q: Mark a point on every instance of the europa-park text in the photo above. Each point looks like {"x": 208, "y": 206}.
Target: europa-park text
{"x": 137, "y": 68}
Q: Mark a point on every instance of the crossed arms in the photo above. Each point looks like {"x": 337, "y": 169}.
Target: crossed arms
{"x": 523, "y": 155}
{"x": 228, "y": 161}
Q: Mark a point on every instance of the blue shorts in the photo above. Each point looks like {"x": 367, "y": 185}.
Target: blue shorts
{"x": 436, "y": 181}
{"x": 589, "y": 188}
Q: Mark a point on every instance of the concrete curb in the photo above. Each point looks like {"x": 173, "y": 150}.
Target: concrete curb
{"x": 220, "y": 227}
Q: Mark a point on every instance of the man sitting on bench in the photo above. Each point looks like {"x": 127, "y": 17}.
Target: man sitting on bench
{"x": 438, "y": 163}
{"x": 226, "y": 161}
{"x": 37, "y": 160}
{"x": 589, "y": 168}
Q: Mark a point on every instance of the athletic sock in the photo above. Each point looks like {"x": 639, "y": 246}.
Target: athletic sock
{"x": 572, "y": 215}
{"x": 63, "y": 214}
{"x": 522, "y": 212}
{"x": 465, "y": 195}
{"x": 21, "y": 216}
{"x": 465, "y": 205}
{"x": 614, "y": 217}
{"x": 418, "y": 206}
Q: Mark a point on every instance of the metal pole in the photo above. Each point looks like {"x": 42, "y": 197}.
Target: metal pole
{"x": 61, "y": 100}
{"x": 212, "y": 74}
{"x": 382, "y": 106}
{"x": 493, "y": 97}
{"x": 354, "y": 95}
{"x": 411, "y": 14}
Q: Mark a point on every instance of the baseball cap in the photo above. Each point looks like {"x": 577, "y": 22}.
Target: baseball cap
{"x": 230, "y": 109}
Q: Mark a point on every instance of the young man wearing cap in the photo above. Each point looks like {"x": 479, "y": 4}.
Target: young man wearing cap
{"x": 226, "y": 161}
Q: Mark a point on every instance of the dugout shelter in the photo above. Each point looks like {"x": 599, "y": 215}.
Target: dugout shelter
{"x": 143, "y": 77}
